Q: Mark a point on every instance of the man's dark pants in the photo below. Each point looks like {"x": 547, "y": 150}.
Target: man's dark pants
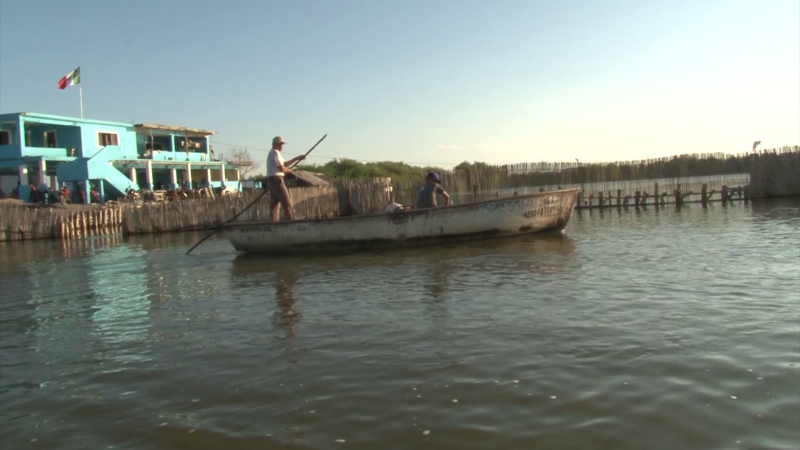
{"x": 279, "y": 196}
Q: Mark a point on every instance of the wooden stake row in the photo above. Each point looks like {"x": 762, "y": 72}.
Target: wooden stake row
{"x": 677, "y": 197}
{"x": 22, "y": 222}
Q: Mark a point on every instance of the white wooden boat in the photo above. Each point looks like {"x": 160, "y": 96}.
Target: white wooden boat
{"x": 509, "y": 216}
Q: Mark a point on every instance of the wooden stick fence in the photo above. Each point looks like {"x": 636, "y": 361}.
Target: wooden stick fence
{"x": 768, "y": 173}
{"x": 357, "y": 197}
{"x": 203, "y": 214}
{"x": 22, "y": 221}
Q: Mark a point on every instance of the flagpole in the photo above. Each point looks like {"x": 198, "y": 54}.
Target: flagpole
{"x": 80, "y": 94}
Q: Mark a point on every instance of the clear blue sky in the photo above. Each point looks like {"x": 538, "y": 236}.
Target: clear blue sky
{"x": 433, "y": 82}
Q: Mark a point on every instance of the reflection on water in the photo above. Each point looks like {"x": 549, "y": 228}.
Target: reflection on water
{"x": 287, "y": 314}
{"x": 437, "y": 284}
{"x": 121, "y": 310}
{"x": 637, "y": 329}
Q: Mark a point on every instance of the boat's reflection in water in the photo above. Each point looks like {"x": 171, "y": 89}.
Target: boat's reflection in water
{"x": 429, "y": 270}
{"x": 287, "y": 315}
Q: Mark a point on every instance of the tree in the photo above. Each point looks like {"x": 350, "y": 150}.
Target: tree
{"x": 241, "y": 158}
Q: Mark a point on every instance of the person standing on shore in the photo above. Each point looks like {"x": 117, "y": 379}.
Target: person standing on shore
{"x": 277, "y": 168}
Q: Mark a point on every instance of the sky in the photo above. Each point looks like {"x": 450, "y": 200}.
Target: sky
{"x": 434, "y": 82}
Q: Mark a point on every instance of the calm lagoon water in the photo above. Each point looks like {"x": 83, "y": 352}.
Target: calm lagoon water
{"x": 635, "y": 330}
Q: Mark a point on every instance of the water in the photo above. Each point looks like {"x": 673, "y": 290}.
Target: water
{"x": 657, "y": 330}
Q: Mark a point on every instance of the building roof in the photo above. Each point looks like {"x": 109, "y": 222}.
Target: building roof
{"x": 148, "y": 127}
{"x": 51, "y": 118}
{"x": 139, "y": 127}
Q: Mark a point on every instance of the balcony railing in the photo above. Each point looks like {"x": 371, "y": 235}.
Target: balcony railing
{"x": 15, "y": 151}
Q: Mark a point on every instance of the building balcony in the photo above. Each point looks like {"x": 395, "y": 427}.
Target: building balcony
{"x": 13, "y": 151}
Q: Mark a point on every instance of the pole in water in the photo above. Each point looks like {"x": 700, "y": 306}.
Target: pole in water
{"x": 266, "y": 191}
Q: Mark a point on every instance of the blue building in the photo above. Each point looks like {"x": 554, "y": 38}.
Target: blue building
{"x": 53, "y": 151}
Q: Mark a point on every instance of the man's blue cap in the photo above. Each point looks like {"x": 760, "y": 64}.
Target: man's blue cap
{"x": 433, "y": 176}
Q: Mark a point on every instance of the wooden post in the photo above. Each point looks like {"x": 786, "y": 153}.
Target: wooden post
{"x": 600, "y": 198}
{"x": 677, "y": 194}
{"x": 655, "y": 196}
{"x": 724, "y": 195}
{"x": 619, "y": 197}
{"x": 636, "y": 198}
{"x": 704, "y": 196}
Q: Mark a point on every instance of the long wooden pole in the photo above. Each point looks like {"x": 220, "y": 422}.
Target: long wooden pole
{"x": 251, "y": 203}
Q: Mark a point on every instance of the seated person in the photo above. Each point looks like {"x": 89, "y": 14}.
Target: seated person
{"x": 427, "y": 195}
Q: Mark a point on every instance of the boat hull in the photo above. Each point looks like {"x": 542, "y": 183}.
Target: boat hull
{"x": 504, "y": 217}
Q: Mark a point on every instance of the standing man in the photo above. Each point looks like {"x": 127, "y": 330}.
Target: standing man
{"x": 276, "y": 169}
{"x": 427, "y": 195}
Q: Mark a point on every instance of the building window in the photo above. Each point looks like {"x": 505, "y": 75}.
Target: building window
{"x": 50, "y": 139}
{"x": 5, "y": 137}
{"x": 153, "y": 146}
{"x": 104, "y": 139}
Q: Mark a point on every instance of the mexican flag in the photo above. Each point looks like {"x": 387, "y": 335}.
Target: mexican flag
{"x": 69, "y": 80}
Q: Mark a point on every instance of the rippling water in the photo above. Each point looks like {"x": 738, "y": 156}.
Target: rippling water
{"x": 640, "y": 330}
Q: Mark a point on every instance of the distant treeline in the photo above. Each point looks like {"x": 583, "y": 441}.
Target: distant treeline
{"x": 352, "y": 169}
{"x": 537, "y": 174}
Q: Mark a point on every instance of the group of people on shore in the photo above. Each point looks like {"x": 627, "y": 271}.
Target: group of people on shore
{"x": 46, "y": 194}
{"x": 279, "y": 197}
